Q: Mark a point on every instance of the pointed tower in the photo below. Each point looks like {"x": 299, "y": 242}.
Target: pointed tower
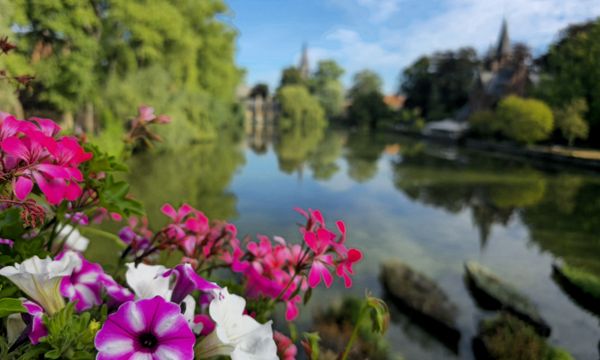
{"x": 503, "y": 51}
{"x": 303, "y": 67}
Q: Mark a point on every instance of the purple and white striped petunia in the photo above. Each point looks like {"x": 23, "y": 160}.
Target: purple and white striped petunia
{"x": 26, "y": 325}
{"x": 34, "y": 315}
{"x": 187, "y": 281}
{"x": 84, "y": 286}
{"x": 146, "y": 329}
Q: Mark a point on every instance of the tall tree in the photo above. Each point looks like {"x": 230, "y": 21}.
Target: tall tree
{"x": 365, "y": 82}
{"x": 115, "y": 53}
{"x": 291, "y": 76}
{"x": 439, "y": 85}
{"x": 326, "y": 85}
{"x": 367, "y": 108}
{"x": 572, "y": 69}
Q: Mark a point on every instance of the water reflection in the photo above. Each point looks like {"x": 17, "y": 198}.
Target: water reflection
{"x": 200, "y": 174}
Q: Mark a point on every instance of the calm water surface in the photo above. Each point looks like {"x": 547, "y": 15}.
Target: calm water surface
{"x": 429, "y": 205}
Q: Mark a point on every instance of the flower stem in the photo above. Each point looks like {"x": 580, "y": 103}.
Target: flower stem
{"x": 361, "y": 315}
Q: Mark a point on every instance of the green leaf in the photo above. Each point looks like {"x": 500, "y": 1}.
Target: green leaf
{"x": 115, "y": 197}
{"x": 11, "y": 226}
{"x": 307, "y": 295}
{"x": 11, "y": 306}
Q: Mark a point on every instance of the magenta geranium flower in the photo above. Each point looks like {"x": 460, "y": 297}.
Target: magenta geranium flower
{"x": 146, "y": 329}
{"x": 34, "y": 153}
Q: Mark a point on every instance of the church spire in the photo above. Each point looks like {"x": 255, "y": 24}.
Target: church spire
{"x": 303, "y": 67}
{"x": 503, "y": 42}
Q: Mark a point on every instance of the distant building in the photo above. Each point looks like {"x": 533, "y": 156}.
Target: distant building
{"x": 505, "y": 71}
{"x": 394, "y": 102}
{"x": 304, "y": 66}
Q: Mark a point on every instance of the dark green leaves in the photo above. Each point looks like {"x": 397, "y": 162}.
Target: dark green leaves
{"x": 115, "y": 198}
{"x": 10, "y": 306}
{"x": 10, "y": 224}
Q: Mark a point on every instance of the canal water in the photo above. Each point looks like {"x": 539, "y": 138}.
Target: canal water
{"x": 431, "y": 206}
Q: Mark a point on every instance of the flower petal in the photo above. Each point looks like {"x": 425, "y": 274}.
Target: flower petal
{"x": 23, "y": 187}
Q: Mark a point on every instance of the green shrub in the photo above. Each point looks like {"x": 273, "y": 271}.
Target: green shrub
{"x": 525, "y": 120}
{"x": 484, "y": 123}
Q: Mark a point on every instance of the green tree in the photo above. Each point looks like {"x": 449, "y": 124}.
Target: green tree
{"x": 572, "y": 69}
{"x": 327, "y": 87}
{"x": 327, "y": 70}
{"x": 299, "y": 109}
{"x": 261, "y": 90}
{"x": 439, "y": 84}
{"x": 291, "y": 76}
{"x": 86, "y": 53}
{"x": 58, "y": 43}
{"x": 525, "y": 120}
{"x": 570, "y": 121}
{"x": 365, "y": 82}
{"x": 367, "y": 108}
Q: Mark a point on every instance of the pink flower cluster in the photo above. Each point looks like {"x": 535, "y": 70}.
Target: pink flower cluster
{"x": 272, "y": 269}
{"x": 34, "y": 153}
{"x": 280, "y": 271}
{"x": 189, "y": 231}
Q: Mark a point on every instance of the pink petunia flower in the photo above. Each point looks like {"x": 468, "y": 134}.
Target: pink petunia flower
{"x": 146, "y": 329}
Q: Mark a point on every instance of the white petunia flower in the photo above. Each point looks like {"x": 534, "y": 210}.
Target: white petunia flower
{"x": 236, "y": 334}
{"x": 147, "y": 281}
{"x": 73, "y": 239}
{"x": 40, "y": 278}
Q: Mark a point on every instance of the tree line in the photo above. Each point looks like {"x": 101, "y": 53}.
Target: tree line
{"x": 559, "y": 102}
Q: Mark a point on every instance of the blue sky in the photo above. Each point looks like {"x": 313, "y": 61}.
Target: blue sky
{"x": 387, "y": 35}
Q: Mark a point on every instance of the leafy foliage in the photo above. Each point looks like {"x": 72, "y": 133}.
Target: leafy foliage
{"x": 367, "y": 108}
{"x": 299, "y": 109}
{"x": 525, "y": 120}
{"x": 439, "y": 84}
{"x": 327, "y": 87}
{"x": 570, "y": 121}
{"x": 572, "y": 70}
{"x": 484, "y": 123}
{"x": 95, "y": 55}
{"x": 291, "y": 76}
{"x": 10, "y": 306}
{"x": 70, "y": 335}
